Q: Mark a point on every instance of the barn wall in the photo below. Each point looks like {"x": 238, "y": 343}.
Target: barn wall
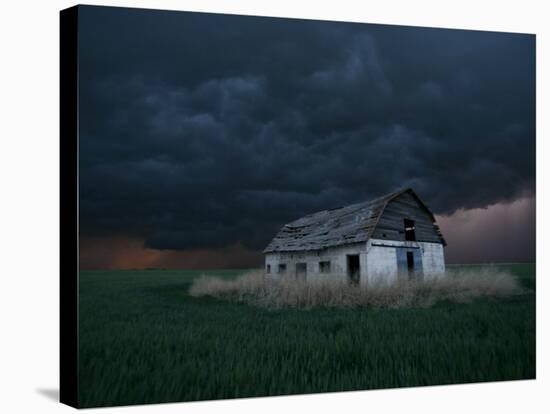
{"x": 433, "y": 259}
{"x": 391, "y": 223}
{"x": 336, "y": 255}
{"x": 383, "y": 259}
{"x": 379, "y": 260}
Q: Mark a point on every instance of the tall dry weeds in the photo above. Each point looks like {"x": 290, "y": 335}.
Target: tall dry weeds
{"x": 255, "y": 288}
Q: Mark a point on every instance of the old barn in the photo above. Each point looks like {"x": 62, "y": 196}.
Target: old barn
{"x": 386, "y": 239}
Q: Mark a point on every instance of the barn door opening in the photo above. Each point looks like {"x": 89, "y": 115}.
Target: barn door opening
{"x": 410, "y": 265}
{"x": 301, "y": 270}
{"x": 354, "y": 269}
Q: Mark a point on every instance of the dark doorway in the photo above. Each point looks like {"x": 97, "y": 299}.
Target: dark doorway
{"x": 354, "y": 269}
{"x": 301, "y": 270}
{"x": 410, "y": 264}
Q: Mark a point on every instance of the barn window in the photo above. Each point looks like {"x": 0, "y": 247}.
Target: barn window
{"x": 409, "y": 230}
{"x": 324, "y": 267}
{"x": 268, "y": 269}
{"x": 282, "y": 268}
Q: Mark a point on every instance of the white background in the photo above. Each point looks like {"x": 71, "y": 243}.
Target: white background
{"x": 29, "y": 207}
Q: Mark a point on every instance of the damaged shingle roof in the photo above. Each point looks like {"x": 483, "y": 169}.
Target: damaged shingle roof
{"x": 337, "y": 227}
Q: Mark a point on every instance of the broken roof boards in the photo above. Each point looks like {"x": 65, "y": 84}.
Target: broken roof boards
{"x": 357, "y": 223}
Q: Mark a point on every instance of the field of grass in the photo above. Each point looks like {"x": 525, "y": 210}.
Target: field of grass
{"x": 143, "y": 339}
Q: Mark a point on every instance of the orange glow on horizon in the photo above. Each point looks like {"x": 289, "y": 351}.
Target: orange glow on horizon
{"x": 130, "y": 253}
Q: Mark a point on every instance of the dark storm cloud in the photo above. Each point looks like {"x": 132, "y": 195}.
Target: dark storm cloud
{"x": 202, "y": 131}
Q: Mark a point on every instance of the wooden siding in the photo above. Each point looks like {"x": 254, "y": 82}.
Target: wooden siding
{"x": 405, "y": 206}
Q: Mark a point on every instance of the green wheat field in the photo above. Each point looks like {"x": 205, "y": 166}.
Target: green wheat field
{"x": 143, "y": 339}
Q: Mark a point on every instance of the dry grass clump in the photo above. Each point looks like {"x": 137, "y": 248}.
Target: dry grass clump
{"x": 257, "y": 289}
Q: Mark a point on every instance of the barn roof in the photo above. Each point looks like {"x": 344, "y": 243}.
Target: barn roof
{"x": 336, "y": 227}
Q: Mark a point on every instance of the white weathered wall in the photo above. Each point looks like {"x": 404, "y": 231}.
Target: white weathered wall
{"x": 382, "y": 261}
{"x": 433, "y": 259}
{"x": 377, "y": 263}
{"x": 337, "y": 257}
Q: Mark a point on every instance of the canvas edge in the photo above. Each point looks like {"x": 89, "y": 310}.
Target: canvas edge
{"x": 68, "y": 260}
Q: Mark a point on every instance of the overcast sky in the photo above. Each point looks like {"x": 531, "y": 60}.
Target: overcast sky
{"x": 202, "y": 134}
